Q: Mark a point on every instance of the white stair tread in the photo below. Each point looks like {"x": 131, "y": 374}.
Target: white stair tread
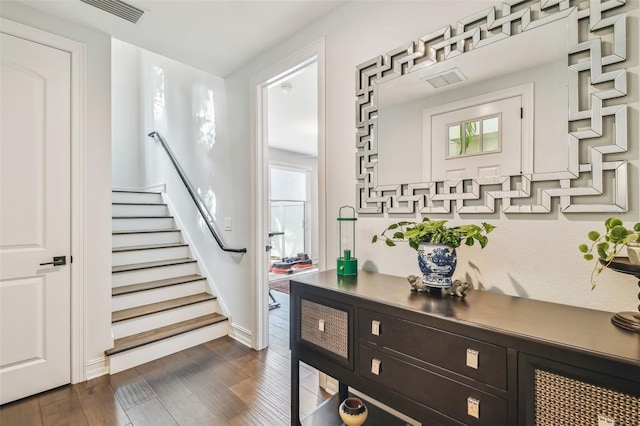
{"x": 142, "y": 217}
{"x": 134, "y": 288}
{"x": 127, "y": 314}
{"x": 141, "y": 339}
{"x": 149, "y": 265}
{"x": 144, "y": 231}
{"x": 131, "y": 191}
{"x": 138, "y": 204}
{"x": 148, "y": 247}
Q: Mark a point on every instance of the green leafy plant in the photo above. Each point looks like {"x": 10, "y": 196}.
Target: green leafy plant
{"x": 434, "y": 231}
{"x": 608, "y": 245}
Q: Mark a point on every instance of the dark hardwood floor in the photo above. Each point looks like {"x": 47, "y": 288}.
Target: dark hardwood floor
{"x": 218, "y": 383}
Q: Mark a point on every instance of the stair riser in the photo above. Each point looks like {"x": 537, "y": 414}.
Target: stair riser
{"x": 135, "y": 197}
{"x": 133, "y": 300}
{"x": 151, "y": 255}
{"x": 142, "y": 224}
{"x": 146, "y": 353}
{"x": 161, "y": 319}
{"x": 128, "y": 240}
{"x": 138, "y": 210}
{"x": 152, "y": 274}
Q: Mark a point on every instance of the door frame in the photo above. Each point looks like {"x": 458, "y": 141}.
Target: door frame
{"x": 260, "y": 178}
{"x": 78, "y": 52}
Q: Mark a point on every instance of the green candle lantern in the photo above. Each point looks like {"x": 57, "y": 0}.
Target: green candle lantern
{"x": 347, "y": 262}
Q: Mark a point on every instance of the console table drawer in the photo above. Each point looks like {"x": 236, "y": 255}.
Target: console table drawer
{"x": 326, "y": 327}
{"x": 455, "y": 400}
{"x": 480, "y": 361}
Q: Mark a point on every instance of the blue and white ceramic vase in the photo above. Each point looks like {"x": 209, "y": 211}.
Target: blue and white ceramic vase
{"x": 437, "y": 263}
{"x": 353, "y": 412}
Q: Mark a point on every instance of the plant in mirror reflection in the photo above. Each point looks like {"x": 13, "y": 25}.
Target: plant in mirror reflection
{"x": 470, "y": 132}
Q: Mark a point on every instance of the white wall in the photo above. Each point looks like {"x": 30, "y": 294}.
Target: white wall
{"x": 175, "y": 100}
{"x": 127, "y": 165}
{"x": 528, "y": 255}
{"x": 97, "y": 227}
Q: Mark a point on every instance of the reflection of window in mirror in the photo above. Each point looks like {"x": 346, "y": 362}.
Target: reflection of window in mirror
{"x": 474, "y": 137}
{"x": 482, "y": 136}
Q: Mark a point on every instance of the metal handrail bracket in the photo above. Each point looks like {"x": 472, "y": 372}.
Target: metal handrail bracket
{"x": 208, "y": 218}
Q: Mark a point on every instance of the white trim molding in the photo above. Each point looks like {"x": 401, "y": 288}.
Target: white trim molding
{"x": 78, "y": 53}
{"x": 97, "y": 367}
{"x": 240, "y": 334}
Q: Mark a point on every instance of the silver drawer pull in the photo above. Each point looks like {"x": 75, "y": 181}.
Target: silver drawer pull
{"x": 375, "y": 366}
{"x": 473, "y": 407}
{"x": 375, "y": 327}
{"x": 473, "y": 357}
{"x": 321, "y": 324}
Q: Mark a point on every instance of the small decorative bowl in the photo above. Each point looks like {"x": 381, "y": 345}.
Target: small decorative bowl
{"x": 353, "y": 412}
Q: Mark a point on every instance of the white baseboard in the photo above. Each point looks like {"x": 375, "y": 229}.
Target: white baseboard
{"x": 96, "y": 368}
{"x": 240, "y": 334}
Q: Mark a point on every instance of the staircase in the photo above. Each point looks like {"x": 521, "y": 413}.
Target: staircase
{"x": 160, "y": 303}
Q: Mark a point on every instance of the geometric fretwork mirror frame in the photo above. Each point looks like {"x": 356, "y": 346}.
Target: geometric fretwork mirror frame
{"x": 590, "y": 173}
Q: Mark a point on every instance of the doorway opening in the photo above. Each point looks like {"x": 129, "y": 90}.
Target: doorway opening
{"x": 292, "y": 205}
{"x": 288, "y": 182}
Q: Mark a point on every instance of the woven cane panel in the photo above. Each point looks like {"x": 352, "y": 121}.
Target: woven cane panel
{"x": 564, "y": 401}
{"x": 335, "y": 337}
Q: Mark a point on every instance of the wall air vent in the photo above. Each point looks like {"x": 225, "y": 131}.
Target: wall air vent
{"x": 445, "y": 78}
{"x": 117, "y": 8}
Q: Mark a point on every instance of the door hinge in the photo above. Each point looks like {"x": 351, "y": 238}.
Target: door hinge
{"x": 70, "y": 259}
{"x": 521, "y": 112}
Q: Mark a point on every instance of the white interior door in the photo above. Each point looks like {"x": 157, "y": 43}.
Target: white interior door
{"x": 35, "y": 311}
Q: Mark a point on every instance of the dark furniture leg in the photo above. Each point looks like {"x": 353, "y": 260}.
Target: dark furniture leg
{"x": 343, "y": 391}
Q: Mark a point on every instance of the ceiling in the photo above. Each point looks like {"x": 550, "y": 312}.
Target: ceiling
{"x": 216, "y": 36}
{"x": 293, "y": 112}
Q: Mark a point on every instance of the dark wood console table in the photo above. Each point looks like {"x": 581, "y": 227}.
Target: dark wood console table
{"x": 486, "y": 359}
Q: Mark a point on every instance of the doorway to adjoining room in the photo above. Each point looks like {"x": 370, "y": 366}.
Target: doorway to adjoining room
{"x": 292, "y": 103}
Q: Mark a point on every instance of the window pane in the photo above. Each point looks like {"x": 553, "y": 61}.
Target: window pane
{"x": 490, "y": 134}
{"x": 286, "y": 184}
{"x": 287, "y": 217}
{"x": 472, "y": 137}
{"x": 455, "y": 147}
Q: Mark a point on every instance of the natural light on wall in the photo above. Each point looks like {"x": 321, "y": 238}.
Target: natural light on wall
{"x": 205, "y": 116}
{"x": 158, "y": 94}
{"x": 209, "y": 202}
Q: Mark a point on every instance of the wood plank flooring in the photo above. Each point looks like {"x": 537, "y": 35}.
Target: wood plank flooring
{"x": 218, "y": 383}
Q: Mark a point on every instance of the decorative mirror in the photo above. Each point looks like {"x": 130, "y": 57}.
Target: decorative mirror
{"x": 456, "y": 120}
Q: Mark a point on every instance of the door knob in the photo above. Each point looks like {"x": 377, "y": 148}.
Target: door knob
{"x": 57, "y": 261}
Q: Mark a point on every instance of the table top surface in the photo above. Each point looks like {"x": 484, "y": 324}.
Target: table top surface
{"x": 582, "y": 329}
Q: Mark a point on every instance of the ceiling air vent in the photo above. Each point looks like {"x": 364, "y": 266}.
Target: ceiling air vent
{"x": 446, "y": 78}
{"x": 117, "y": 8}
